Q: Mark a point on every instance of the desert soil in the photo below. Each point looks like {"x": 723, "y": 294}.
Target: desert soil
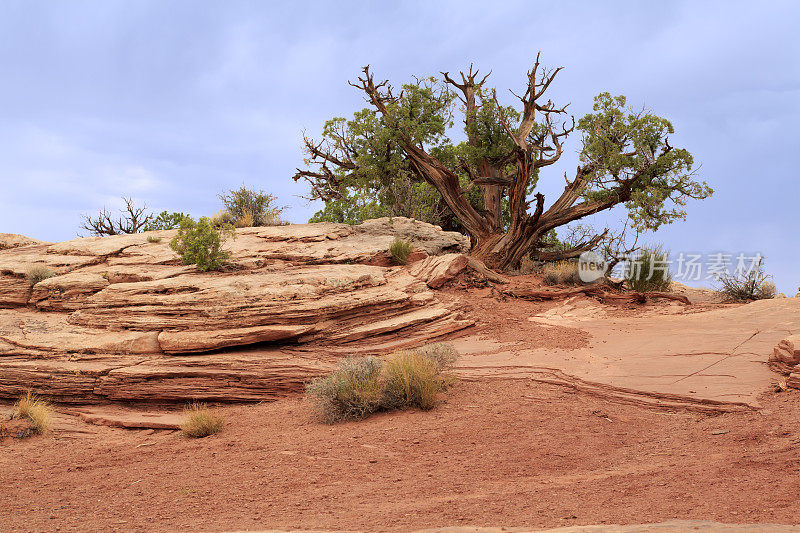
{"x": 498, "y": 452}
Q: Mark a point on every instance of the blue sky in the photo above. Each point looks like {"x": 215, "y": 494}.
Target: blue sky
{"x": 173, "y": 102}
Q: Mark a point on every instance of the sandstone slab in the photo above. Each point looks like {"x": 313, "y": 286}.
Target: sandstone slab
{"x": 13, "y": 240}
{"x": 715, "y": 360}
{"x": 115, "y": 320}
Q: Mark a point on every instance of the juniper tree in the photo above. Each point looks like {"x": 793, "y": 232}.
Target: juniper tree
{"x": 395, "y": 157}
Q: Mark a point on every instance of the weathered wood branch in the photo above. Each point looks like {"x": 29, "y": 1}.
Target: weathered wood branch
{"x": 598, "y": 290}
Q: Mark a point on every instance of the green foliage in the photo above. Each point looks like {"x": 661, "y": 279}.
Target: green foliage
{"x": 649, "y": 270}
{"x": 360, "y": 169}
{"x": 361, "y": 386}
{"x": 38, "y": 273}
{"x": 400, "y": 250}
{"x": 200, "y": 243}
{"x": 165, "y": 220}
{"x": 628, "y": 154}
{"x": 748, "y": 286}
{"x": 200, "y": 421}
{"x": 377, "y": 178}
{"x": 249, "y": 208}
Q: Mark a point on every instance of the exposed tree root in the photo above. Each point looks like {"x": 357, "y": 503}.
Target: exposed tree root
{"x": 478, "y": 266}
{"x": 600, "y": 291}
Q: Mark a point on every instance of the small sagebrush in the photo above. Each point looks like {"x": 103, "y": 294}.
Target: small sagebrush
{"x": 153, "y": 239}
{"x": 351, "y": 392}
{"x": 248, "y": 207}
{"x": 754, "y": 285}
{"x": 443, "y": 355}
{"x": 400, "y": 250}
{"x": 38, "y": 273}
{"x": 560, "y": 273}
{"x": 36, "y": 410}
{"x": 201, "y": 421}
{"x": 649, "y": 271}
{"x": 362, "y": 386}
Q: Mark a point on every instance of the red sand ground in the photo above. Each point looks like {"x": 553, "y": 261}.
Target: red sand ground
{"x": 502, "y": 452}
{"x": 496, "y": 453}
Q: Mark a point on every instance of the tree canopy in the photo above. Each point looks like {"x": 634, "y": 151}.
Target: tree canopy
{"x": 396, "y": 158}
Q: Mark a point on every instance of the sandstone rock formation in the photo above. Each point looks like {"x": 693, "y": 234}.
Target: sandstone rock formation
{"x": 123, "y": 319}
{"x": 12, "y": 240}
{"x": 784, "y": 359}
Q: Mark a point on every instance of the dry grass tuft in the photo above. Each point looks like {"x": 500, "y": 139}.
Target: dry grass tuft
{"x": 560, "y": 273}
{"x": 400, "y": 250}
{"x": 201, "y": 421}
{"x": 362, "y": 386}
{"x": 36, "y": 410}
{"x": 153, "y": 239}
{"x": 411, "y": 380}
{"x": 247, "y": 219}
{"x": 38, "y": 273}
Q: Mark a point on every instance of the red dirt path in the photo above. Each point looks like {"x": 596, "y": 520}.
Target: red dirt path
{"x": 513, "y": 453}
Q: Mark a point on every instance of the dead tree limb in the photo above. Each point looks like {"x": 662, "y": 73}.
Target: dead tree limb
{"x": 599, "y": 291}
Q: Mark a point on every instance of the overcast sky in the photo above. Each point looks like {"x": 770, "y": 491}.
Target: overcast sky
{"x": 173, "y": 102}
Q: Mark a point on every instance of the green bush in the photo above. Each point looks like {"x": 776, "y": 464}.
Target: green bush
{"x": 38, "y": 273}
{"x": 248, "y": 208}
{"x": 361, "y": 386}
{"x": 649, "y": 271}
{"x": 351, "y": 392}
{"x": 200, "y": 243}
{"x": 165, "y": 220}
{"x": 754, "y": 285}
{"x": 400, "y": 250}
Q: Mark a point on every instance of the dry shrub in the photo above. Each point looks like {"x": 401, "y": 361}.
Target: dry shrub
{"x": 411, "y": 380}
{"x": 442, "y": 354}
{"x": 36, "y": 410}
{"x": 400, "y": 250}
{"x": 560, "y": 273}
{"x": 38, "y": 273}
{"x": 201, "y": 421}
{"x": 527, "y": 265}
{"x": 754, "y": 285}
{"x": 153, "y": 239}
{"x": 362, "y": 386}
{"x": 222, "y": 218}
{"x": 247, "y": 220}
{"x": 250, "y": 208}
{"x": 768, "y": 290}
{"x": 351, "y": 392}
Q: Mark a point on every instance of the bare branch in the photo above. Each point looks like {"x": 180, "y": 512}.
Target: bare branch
{"x": 133, "y": 220}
